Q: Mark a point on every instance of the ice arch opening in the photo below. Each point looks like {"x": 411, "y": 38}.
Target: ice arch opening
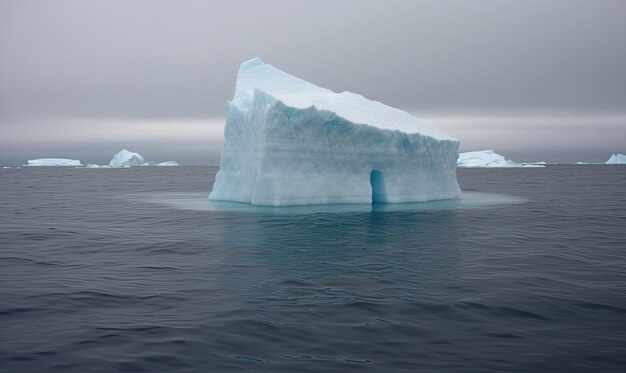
{"x": 378, "y": 187}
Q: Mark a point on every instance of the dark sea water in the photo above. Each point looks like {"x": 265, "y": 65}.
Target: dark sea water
{"x": 106, "y": 270}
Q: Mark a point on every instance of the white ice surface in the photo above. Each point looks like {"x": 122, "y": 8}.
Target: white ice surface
{"x": 54, "y": 162}
{"x": 168, "y": 163}
{"x": 289, "y": 142}
{"x": 125, "y": 159}
{"x": 489, "y": 158}
{"x": 297, "y": 93}
{"x": 617, "y": 159}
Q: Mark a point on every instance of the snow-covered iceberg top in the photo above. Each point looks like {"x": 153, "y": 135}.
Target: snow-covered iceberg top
{"x": 290, "y": 142}
{"x": 54, "y": 162}
{"x": 489, "y": 158}
{"x": 617, "y": 159}
{"x": 297, "y": 93}
{"x": 126, "y": 158}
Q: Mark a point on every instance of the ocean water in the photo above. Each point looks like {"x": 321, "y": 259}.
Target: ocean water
{"x": 130, "y": 270}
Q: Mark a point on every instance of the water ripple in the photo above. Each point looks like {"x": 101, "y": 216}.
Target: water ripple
{"x": 134, "y": 270}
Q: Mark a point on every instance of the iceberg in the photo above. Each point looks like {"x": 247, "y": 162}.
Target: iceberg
{"x": 54, "y": 162}
{"x": 168, "y": 163}
{"x": 91, "y": 165}
{"x": 290, "y": 142}
{"x": 617, "y": 159}
{"x": 534, "y": 164}
{"x": 126, "y": 159}
{"x": 489, "y": 158}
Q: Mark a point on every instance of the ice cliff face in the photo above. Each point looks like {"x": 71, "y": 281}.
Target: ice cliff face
{"x": 289, "y": 142}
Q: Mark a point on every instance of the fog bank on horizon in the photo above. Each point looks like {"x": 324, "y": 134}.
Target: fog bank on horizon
{"x": 533, "y": 80}
{"x": 522, "y": 138}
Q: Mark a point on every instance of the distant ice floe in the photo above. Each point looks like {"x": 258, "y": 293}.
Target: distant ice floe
{"x": 617, "y": 159}
{"x": 534, "y": 164}
{"x": 54, "y": 162}
{"x": 489, "y": 158}
{"x": 168, "y": 163}
{"x": 126, "y": 158}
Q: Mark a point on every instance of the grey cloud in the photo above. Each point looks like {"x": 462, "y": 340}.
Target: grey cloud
{"x": 138, "y": 61}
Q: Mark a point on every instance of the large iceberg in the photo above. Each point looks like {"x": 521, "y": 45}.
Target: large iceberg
{"x": 290, "y": 142}
{"x": 617, "y": 159}
{"x": 54, "y": 162}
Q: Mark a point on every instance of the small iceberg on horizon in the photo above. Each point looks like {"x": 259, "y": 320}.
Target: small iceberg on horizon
{"x": 617, "y": 159}
{"x": 168, "y": 164}
{"x": 127, "y": 158}
{"x": 489, "y": 158}
{"x": 534, "y": 164}
{"x": 54, "y": 162}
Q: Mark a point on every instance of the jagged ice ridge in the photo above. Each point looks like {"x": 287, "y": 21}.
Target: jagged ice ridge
{"x": 617, "y": 159}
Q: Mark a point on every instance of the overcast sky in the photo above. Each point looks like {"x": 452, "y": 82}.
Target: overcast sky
{"x": 533, "y": 80}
